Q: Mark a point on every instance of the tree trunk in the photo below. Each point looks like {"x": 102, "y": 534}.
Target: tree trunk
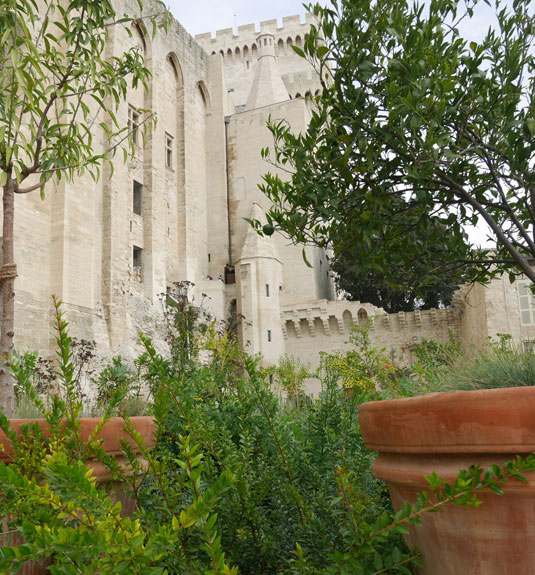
{"x": 7, "y": 279}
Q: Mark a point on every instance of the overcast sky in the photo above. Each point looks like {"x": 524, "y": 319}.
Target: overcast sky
{"x": 211, "y": 15}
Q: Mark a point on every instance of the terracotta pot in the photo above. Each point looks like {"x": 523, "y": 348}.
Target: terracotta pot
{"x": 112, "y": 433}
{"x": 445, "y": 433}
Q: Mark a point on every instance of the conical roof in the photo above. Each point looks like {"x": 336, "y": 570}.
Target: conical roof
{"x": 267, "y": 87}
{"x": 255, "y": 245}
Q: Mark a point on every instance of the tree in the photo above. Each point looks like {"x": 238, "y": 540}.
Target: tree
{"x": 56, "y": 88}
{"x": 373, "y": 287}
{"x": 420, "y": 285}
{"x": 417, "y": 130}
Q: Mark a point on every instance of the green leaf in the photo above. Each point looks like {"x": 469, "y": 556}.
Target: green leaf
{"x": 298, "y": 51}
{"x": 308, "y": 264}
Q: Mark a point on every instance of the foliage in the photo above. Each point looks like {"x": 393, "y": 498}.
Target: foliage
{"x": 417, "y": 130}
{"x": 290, "y": 375}
{"x": 115, "y": 384}
{"x": 364, "y": 368}
{"x": 237, "y": 477}
{"x": 411, "y": 291}
{"x": 50, "y": 499}
{"x": 57, "y": 83}
{"x": 497, "y": 364}
{"x": 118, "y": 383}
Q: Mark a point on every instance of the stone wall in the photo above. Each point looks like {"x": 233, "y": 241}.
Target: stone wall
{"x": 313, "y": 326}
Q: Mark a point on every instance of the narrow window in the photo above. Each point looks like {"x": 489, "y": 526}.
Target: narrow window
{"x": 137, "y": 257}
{"x": 267, "y": 290}
{"x": 269, "y": 335}
{"x": 137, "y": 203}
{"x": 209, "y": 258}
{"x": 270, "y": 378}
{"x": 529, "y": 346}
{"x": 526, "y": 302}
{"x": 133, "y": 123}
{"x": 168, "y": 151}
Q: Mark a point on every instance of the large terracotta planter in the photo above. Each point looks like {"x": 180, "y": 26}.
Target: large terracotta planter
{"x": 445, "y": 433}
{"x": 111, "y": 433}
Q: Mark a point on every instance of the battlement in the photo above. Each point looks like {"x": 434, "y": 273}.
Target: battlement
{"x": 308, "y": 327}
{"x": 292, "y": 30}
{"x": 327, "y": 318}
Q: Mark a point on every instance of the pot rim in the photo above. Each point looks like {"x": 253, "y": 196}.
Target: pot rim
{"x": 480, "y": 421}
{"x": 112, "y": 432}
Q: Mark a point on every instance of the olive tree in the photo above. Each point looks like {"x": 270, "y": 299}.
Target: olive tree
{"x": 418, "y": 134}
{"x": 57, "y": 87}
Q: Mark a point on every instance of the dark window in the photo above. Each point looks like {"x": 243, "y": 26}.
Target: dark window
{"x": 269, "y": 335}
{"x": 137, "y": 257}
{"x": 267, "y": 290}
{"x": 137, "y": 204}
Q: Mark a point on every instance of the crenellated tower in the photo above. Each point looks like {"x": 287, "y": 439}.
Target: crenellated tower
{"x": 241, "y": 55}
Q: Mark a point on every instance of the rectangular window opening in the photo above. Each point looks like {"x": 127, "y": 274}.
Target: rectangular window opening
{"x": 529, "y": 346}
{"x": 269, "y": 335}
{"x": 137, "y": 204}
{"x": 168, "y": 151}
{"x": 137, "y": 252}
{"x": 133, "y": 123}
{"x": 267, "y": 290}
{"x": 526, "y": 302}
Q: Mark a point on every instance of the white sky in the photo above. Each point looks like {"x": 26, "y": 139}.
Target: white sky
{"x": 211, "y": 15}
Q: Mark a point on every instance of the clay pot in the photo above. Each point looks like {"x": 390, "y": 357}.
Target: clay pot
{"x": 445, "y": 433}
{"x": 112, "y": 433}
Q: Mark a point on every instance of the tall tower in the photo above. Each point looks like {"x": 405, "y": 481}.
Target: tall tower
{"x": 259, "y": 282}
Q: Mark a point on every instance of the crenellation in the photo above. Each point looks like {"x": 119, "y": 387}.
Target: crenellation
{"x": 292, "y": 22}
{"x": 271, "y": 25}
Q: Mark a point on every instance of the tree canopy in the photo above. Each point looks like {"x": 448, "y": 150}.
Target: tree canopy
{"x": 412, "y": 291}
{"x": 417, "y": 134}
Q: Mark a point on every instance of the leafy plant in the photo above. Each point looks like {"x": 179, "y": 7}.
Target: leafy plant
{"x": 417, "y": 134}
{"x": 498, "y": 364}
{"x": 237, "y": 477}
{"x": 53, "y": 510}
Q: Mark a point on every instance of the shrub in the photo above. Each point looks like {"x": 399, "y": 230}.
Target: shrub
{"x": 237, "y": 478}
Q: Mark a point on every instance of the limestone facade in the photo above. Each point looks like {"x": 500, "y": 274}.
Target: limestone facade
{"x": 177, "y": 210}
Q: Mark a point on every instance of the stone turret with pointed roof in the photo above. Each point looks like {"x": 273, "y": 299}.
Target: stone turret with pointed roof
{"x": 255, "y": 245}
{"x": 267, "y": 87}
{"x": 259, "y": 282}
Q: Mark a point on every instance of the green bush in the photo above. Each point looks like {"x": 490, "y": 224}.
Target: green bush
{"x": 497, "y": 364}
{"x": 238, "y": 477}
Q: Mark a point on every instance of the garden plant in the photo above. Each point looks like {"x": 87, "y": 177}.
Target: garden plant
{"x": 241, "y": 480}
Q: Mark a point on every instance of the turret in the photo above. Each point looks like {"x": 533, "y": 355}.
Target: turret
{"x": 267, "y": 87}
{"x": 259, "y": 280}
